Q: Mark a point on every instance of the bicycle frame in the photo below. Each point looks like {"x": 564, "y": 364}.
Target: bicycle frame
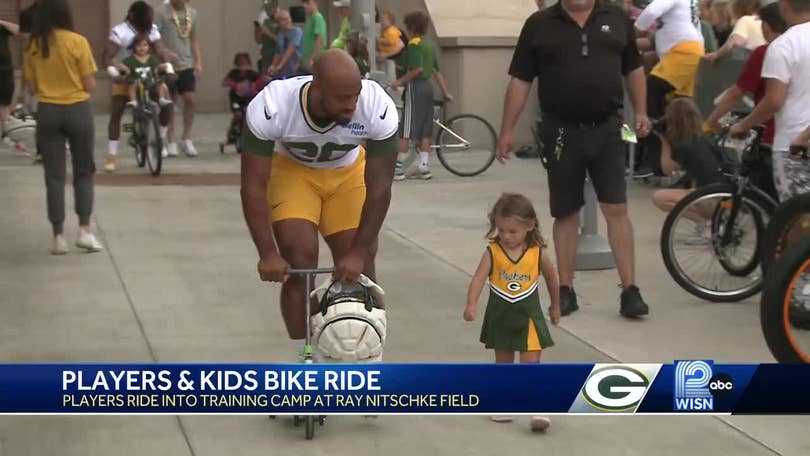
{"x": 466, "y": 144}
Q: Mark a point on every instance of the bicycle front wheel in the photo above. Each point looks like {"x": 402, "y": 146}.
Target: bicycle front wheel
{"x": 466, "y": 145}
{"x": 154, "y": 147}
{"x": 785, "y": 305}
{"x": 698, "y": 254}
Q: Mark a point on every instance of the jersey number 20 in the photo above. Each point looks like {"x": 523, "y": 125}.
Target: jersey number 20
{"x": 309, "y": 152}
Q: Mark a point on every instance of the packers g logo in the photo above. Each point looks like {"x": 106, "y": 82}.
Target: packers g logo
{"x": 513, "y": 286}
{"x": 615, "y": 388}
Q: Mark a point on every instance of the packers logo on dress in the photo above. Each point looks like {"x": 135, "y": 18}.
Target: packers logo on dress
{"x": 514, "y": 286}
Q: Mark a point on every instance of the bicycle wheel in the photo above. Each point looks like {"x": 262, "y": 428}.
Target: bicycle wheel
{"x": 154, "y": 146}
{"x": 140, "y": 132}
{"x": 736, "y": 265}
{"x": 694, "y": 250}
{"x": 785, "y": 305}
{"x": 466, "y": 145}
{"x": 790, "y": 216}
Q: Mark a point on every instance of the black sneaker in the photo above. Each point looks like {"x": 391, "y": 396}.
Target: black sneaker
{"x": 568, "y": 301}
{"x": 632, "y": 305}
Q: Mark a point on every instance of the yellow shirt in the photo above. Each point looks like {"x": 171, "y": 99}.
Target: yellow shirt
{"x": 58, "y": 79}
{"x": 393, "y": 35}
{"x": 750, "y": 28}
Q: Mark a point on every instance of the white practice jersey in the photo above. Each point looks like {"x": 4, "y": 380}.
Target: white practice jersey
{"x": 277, "y": 114}
{"x": 123, "y": 34}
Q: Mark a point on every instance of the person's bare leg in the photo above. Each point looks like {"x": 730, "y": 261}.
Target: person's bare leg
{"x": 340, "y": 243}
{"x": 620, "y": 236}
{"x": 170, "y": 132}
{"x": 297, "y": 241}
{"x": 566, "y": 239}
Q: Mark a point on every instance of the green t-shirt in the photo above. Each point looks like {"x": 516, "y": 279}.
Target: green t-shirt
{"x": 421, "y": 54}
{"x": 345, "y": 28}
{"x": 269, "y": 44}
{"x": 314, "y": 27}
{"x": 145, "y": 71}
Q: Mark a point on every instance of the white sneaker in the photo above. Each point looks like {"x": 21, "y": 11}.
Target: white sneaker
{"x": 501, "y": 419}
{"x": 88, "y": 242}
{"x": 165, "y": 151}
{"x": 171, "y": 151}
{"x": 188, "y": 148}
{"x": 539, "y": 423}
{"x": 60, "y": 245}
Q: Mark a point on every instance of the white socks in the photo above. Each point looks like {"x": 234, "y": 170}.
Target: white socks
{"x": 424, "y": 157}
{"x": 163, "y": 132}
{"x": 112, "y": 148}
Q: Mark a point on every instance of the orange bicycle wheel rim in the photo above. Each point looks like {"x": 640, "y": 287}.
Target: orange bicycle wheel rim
{"x": 786, "y": 304}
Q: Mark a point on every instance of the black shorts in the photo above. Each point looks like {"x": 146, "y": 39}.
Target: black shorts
{"x": 6, "y": 85}
{"x": 595, "y": 149}
{"x": 185, "y": 82}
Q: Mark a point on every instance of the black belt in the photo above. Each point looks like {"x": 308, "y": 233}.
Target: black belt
{"x": 581, "y": 124}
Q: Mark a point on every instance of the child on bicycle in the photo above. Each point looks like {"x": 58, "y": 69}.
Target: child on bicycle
{"x": 512, "y": 263}
{"x": 244, "y": 83}
{"x": 143, "y": 66}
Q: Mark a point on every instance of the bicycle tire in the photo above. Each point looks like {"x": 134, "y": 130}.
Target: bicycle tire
{"x": 310, "y": 427}
{"x": 667, "y": 252}
{"x": 154, "y": 147}
{"x": 485, "y": 127}
{"x": 774, "y": 308}
{"x": 748, "y": 268}
{"x": 138, "y": 130}
{"x": 775, "y": 240}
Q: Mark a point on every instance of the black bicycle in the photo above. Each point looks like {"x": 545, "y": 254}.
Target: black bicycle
{"x": 145, "y": 130}
{"x": 711, "y": 240}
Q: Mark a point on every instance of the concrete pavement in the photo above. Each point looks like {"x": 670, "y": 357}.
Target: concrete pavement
{"x": 177, "y": 283}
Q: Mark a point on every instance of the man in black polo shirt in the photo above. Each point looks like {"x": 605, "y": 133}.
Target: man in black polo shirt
{"x": 579, "y": 50}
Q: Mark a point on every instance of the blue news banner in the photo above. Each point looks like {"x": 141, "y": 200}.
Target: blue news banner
{"x": 683, "y": 387}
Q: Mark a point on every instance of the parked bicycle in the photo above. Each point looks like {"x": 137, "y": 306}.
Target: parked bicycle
{"x": 465, "y": 144}
{"x": 711, "y": 240}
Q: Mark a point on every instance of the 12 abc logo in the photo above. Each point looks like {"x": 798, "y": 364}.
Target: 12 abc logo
{"x": 696, "y": 387}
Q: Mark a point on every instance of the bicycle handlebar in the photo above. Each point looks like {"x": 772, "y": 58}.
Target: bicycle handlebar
{"x": 316, "y": 271}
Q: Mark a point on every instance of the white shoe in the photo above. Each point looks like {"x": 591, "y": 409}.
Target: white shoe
{"x": 163, "y": 102}
{"x": 60, "y": 245}
{"x": 88, "y": 242}
{"x": 165, "y": 151}
{"x": 539, "y": 423}
{"x": 172, "y": 150}
{"x": 501, "y": 419}
{"x": 188, "y": 148}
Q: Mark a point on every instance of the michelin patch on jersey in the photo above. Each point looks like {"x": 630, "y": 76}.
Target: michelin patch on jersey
{"x": 278, "y": 114}
{"x": 123, "y": 34}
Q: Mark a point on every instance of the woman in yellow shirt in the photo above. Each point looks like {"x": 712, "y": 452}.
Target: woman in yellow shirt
{"x": 60, "y": 70}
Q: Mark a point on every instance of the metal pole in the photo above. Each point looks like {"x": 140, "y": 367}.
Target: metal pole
{"x": 593, "y": 251}
{"x": 363, "y": 21}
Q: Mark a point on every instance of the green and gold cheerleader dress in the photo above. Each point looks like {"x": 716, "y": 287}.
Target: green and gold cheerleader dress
{"x": 514, "y": 318}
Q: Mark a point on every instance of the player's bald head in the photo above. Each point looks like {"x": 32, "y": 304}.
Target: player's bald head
{"x": 335, "y": 69}
{"x": 336, "y": 85}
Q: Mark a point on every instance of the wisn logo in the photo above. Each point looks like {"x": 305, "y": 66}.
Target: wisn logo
{"x": 696, "y": 387}
{"x": 357, "y": 129}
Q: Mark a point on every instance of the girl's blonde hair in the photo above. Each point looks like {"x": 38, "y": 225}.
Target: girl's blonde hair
{"x": 722, "y": 10}
{"x": 742, "y": 8}
{"x": 515, "y": 205}
{"x": 683, "y": 120}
